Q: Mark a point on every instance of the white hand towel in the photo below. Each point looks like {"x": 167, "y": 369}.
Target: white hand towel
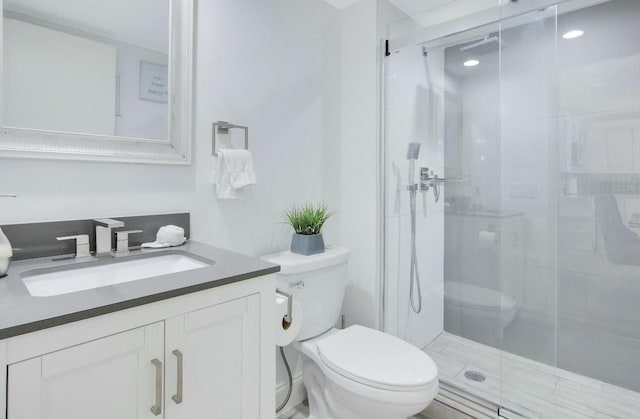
{"x": 234, "y": 171}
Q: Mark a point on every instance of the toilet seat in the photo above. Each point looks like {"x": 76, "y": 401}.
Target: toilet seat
{"x": 377, "y": 360}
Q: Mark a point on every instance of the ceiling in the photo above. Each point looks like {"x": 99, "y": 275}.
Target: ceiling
{"x": 428, "y": 12}
{"x": 341, "y": 4}
{"x": 143, "y": 23}
{"x": 599, "y": 44}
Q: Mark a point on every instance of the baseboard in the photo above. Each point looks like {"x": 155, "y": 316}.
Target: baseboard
{"x": 298, "y": 394}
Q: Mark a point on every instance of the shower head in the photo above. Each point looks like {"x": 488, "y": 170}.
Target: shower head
{"x": 413, "y": 151}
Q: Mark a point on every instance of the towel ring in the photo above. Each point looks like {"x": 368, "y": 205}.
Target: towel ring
{"x": 223, "y": 127}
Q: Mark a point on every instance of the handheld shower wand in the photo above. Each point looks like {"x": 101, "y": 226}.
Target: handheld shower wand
{"x": 413, "y": 151}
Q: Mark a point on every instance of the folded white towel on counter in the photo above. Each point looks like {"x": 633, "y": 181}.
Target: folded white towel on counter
{"x": 234, "y": 171}
{"x": 168, "y": 236}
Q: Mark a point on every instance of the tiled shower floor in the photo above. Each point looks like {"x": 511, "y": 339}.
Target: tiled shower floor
{"x": 514, "y": 381}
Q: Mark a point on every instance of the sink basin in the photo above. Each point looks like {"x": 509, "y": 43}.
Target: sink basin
{"x": 60, "y": 280}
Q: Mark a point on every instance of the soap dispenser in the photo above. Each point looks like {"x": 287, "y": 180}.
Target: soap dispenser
{"x": 6, "y": 253}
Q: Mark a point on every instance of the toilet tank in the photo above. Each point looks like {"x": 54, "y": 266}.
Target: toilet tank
{"x": 317, "y": 283}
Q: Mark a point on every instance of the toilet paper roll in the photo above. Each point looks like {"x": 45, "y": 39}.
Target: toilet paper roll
{"x": 488, "y": 240}
{"x": 287, "y": 332}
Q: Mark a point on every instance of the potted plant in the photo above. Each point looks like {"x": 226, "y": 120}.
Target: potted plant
{"x": 307, "y": 221}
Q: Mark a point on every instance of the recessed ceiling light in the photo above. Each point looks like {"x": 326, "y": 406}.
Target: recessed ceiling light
{"x": 471, "y": 63}
{"x": 576, "y": 33}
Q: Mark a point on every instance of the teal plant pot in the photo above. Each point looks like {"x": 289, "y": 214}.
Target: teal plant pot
{"x": 303, "y": 244}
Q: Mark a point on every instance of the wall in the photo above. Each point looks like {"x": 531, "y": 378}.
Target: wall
{"x": 272, "y": 65}
{"x": 280, "y": 78}
{"x": 56, "y": 81}
{"x": 82, "y": 79}
{"x": 415, "y": 114}
{"x": 359, "y": 148}
{"x": 139, "y": 118}
{"x": 414, "y": 103}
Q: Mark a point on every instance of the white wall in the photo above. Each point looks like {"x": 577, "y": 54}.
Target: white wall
{"x": 415, "y": 114}
{"x": 57, "y": 81}
{"x": 82, "y": 78}
{"x": 139, "y": 118}
{"x": 272, "y": 65}
{"x": 359, "y": 150}
{"x": 273, "y": 79}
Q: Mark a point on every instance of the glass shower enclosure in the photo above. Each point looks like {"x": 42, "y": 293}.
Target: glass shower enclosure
{"x": 512, "y": 247}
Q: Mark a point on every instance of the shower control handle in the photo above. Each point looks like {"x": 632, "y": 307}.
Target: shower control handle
{"x": 425, "y": 177}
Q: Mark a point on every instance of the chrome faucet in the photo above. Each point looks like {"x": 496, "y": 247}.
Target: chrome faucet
{"x": 82, "y": 245}
{"x": 122, "y": 241}
{"x": 104, "y": 239}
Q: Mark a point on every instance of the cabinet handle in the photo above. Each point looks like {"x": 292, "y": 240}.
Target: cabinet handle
{"x": 156, "y": 409}
{"x": 177, "y": 398}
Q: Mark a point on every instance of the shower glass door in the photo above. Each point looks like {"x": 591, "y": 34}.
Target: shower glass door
{"x": 528, "y": 156}
{"x": 528, "y": 254}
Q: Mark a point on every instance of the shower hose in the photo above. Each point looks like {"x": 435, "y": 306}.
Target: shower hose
{"x": 414, "y": 283}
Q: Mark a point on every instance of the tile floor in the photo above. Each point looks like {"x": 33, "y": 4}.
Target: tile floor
{"x": 301, "y": 411}
{"x": 515, "y": 382}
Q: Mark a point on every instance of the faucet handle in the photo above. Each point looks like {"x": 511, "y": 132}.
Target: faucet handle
{"x": 109, "y": 223}
{"x": 82, "y": 244}
{"x": 122, "y": 240}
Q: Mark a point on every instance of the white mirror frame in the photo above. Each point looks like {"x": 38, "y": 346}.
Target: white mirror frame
{"x": 30, "y": 143}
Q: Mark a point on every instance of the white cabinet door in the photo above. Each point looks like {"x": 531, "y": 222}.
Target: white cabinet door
{"x": 109, "y": 378}
{"x": 219, "y": 347}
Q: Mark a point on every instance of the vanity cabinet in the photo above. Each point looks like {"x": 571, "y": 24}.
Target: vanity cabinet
{"x": 107, "y": 378}
{"x": 212, "y": 361}
{"x": 218, "y": 348}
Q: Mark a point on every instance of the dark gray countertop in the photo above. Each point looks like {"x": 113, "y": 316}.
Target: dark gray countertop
{"x": 21, "y": 313}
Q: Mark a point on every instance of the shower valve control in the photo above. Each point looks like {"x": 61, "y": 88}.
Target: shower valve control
{"x": 425, "y": 178}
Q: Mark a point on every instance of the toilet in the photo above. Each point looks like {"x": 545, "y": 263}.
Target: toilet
{"x": 357, "y": 372}
{"x": 476, "y": 312}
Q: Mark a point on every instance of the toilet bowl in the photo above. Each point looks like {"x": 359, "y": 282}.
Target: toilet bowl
{"x": 361, "y": 373}
{"x": 357, "y": 372}
{"x": 476, "y": 312}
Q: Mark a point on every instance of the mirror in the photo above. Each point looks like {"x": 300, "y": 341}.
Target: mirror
{"x": 97, "y": 80}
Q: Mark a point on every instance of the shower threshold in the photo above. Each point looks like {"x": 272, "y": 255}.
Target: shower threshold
{"x": 520, "y": 387}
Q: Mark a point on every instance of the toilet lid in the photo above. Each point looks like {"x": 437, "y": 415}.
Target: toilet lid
{"x": 377, "y": 359}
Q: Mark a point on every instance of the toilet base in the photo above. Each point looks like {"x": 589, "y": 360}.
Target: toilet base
{"x": 329, "y": 401}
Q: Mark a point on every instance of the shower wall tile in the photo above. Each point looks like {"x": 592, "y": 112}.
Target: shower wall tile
{"x": 414, "y": 114}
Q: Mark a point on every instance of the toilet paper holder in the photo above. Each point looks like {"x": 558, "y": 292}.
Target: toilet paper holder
{"x": 289, "y": 316}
